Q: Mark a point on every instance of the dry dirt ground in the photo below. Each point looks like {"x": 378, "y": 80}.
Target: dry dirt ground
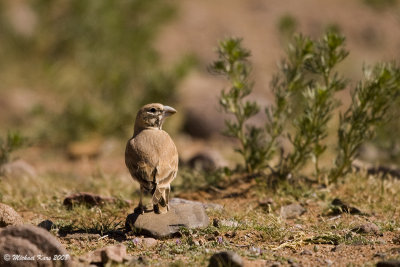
{"x": 250, "y": 222}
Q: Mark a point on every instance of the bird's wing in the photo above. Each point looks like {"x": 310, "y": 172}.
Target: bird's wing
{"x": 151, "y": 157}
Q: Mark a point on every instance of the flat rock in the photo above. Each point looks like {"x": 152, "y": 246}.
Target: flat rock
{"x": 207, "y": 206}
{"x": 8, "y": 216}
{"x": 368, "y": 228}
{"x": 104, "y": 255}
{"x": 149, "y": 242}
{"x": 292, "y": 211}
{"x": 113, "y": 254}
{"x": 225, "y": 259}
{"x": 166, "y": 225}
{"x": 30, "y": 241}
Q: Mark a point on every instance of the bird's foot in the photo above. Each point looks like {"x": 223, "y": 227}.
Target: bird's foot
{"x": 161, "y": 209}
{"x": 139, "y": 209}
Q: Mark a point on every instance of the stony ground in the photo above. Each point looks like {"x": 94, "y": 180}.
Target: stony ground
{"x": 299, "y": 225}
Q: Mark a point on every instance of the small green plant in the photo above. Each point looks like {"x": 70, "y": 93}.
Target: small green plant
{"x": 233, "y": 64}
{"x": 304, "y": 90}
{"x": 320, "y": 83}
{"x": 287, "y": 25}
{"x": 12, "y": 142}
{"x": 371, "y": 101}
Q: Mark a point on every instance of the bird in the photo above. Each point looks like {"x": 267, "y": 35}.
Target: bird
{"x": 152, "y": 157}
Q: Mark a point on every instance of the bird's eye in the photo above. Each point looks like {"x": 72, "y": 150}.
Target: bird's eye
{"x": 152, "y": 110}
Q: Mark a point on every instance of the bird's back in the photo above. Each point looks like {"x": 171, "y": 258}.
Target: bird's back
{"x": 151, "y": 157}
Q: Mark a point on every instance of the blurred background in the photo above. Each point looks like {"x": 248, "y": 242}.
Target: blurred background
{"x": 74, "y": 73}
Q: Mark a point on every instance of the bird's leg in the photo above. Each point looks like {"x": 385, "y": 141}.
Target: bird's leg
{"x": 160, "y": 206}
{"x": 140, "y": 208}
{"x": 167, "y": 191}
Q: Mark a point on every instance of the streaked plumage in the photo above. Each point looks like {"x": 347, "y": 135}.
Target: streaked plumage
{"x": 151, "y": 155}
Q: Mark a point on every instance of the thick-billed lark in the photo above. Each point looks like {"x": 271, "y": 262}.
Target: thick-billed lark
{"x": 151, "y": 156}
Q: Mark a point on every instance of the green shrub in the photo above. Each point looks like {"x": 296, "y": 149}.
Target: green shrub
{"x": 287, "y": 25}
{"x": 371, "y": 101}
{"x": 304, "y": 90}
{"x": 232, "y": 63}
{"x": 8, "y": 145}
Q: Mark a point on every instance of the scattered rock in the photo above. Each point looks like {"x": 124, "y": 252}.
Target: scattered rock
{"x": 202, "y": 162}
{"x": 113, "y": 254}
{"x": 306, "y": 252}
{"x": 229, "y": 223}
{"x": 109, "y": 254}
{"x": 388, "y": 263}
{"x": 149, "y": 242}
{"x": 225, "y": 259}
{"x": 380, "y": 255}
{"x": 293, "y": 263}
{"x": 166, "y": 225}
{"x": 90, "y": 200}
{"x": 328, "y": 262}
{"x": 198, "y": 125}
{"x": 207, "y": 206}
{"x": 292, "y": 211}
{"x": 46, "y": 224}
{"x": 368, "y": 228}
{"x": 266, "y": 202}
{"x": 92, "y": 257}
{"x": 338, "y": 207}
{"x": 338, "y": 248}
{"x": 396, "y": 240}
{"x": 8, "y": 216}
{"x": 18, "y": 168}
{"x": 31, "y": 240}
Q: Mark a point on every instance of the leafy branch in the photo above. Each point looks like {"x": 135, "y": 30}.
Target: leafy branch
{"x": 233, "y": 64}
{"x": 370, "y": 103}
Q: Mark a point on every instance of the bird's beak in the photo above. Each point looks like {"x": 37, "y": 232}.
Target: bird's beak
{"x": 168, "y": 111}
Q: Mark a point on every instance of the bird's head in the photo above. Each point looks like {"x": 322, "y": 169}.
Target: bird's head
{"x": 152, "y": 116}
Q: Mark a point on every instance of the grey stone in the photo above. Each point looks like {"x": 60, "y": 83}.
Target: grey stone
{"x": 338, "y": 248}
{"x": 292, "y": 211}
{"x": 306, "y": 252}
{"x": 228, "y": 223}
{"x": 102, "y": 256}
{"x": 225, "y": 259}
{"x": 113, "y": 254}
{"x": 207, "y": 206}
{"x": 17, "y": 169}
{"x": 31, "y": 241}
{"x": 8, "y": 216}
{"x": 388, "y": 263}
{"x": 149, "y": 242}
{"x": 166, "y": 225}
{"x": 368, "y": 228}
{"x": 46, "y": 224}
{"x": 338, "y": 207}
